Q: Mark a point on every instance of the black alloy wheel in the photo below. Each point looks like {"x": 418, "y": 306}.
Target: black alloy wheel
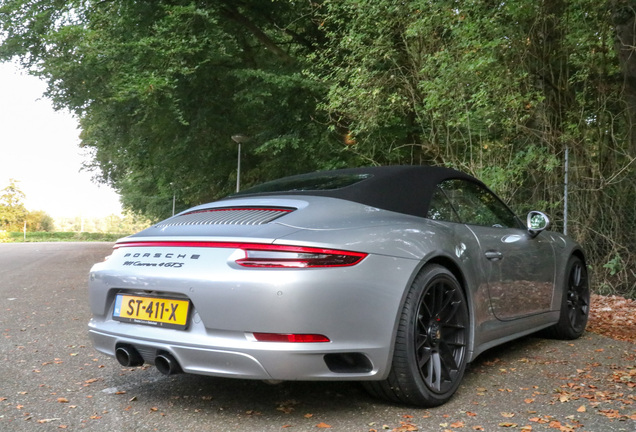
{"x": 441, "y": 335}
{"x": 575, "y": 303}
{"x": 578, "y": 296}
{"x": 431, "y": 346}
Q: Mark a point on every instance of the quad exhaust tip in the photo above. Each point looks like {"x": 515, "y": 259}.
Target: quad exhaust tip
{"x": 128, "y": 356}
{"x": 167, "y": 364}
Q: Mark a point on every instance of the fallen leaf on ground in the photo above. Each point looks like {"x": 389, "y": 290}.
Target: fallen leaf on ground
{"x": 287, "y": 406}
{"x": 613, "y": 316}
{"x": 406, "y": 427}
{"x": 48, "y": 420}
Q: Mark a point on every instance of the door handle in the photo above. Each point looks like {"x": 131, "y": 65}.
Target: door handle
{"x": 493, "y": 255}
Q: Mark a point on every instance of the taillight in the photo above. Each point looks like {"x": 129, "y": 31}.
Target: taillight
{"x": 290, "y": 338}
{"x": 268, "y": 255}
{"x": 274, "y": 256}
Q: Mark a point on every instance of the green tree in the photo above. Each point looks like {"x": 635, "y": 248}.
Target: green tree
{"x": 499, "y": 89}
{"x": 160, "y": 87}
{"x": 12, "y": 210}
{"x": 39, "y": 221}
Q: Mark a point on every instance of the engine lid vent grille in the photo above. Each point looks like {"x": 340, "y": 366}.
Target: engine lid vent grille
{"x": 227, "y": 216}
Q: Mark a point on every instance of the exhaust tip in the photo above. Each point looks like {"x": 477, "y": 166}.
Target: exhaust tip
{"x": 128, "y": 356}
{"x": 167, "y": 364}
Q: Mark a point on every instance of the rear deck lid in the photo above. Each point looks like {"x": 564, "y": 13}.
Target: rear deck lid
{"x": 253, "y": 220}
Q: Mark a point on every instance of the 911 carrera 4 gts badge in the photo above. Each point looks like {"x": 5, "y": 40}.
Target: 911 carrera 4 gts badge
{"x": 153, "y": 264}
{"x": 149, "y": 262}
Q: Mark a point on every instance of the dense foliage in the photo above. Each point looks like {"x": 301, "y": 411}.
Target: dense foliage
{"x": 160, "y": 87}
{"x": 44, "y": 236}
{"x": 503, "y": 90}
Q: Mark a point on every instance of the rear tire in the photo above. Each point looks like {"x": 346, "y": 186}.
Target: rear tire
{"x": 575, "y": 303}
{"x": 430, "y": 353}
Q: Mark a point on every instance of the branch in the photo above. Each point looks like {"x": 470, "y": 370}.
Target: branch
{"x": 233, "y": 14}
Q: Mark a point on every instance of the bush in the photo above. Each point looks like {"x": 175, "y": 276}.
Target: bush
{"x": 42, "y": 236}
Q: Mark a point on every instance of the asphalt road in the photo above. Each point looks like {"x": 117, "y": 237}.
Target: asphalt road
{"x": 51, "y": 378}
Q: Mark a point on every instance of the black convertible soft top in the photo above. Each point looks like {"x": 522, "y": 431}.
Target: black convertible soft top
{"x": 403, "y": 189}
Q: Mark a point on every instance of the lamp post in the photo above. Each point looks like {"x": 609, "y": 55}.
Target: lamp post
{"x": 174, "y": 197}
{"x": 239, "y": 138}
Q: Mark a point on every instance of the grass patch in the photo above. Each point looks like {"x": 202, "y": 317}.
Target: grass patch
{"x": 16, "y": 237}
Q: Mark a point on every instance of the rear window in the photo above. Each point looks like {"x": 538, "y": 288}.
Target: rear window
{"x": 307, "y": 182}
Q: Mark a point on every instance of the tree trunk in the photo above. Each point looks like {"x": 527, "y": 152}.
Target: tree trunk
{"x": 624, "y": 20}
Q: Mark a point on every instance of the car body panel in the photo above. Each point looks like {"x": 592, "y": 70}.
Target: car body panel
{"x": 520, "y": 271}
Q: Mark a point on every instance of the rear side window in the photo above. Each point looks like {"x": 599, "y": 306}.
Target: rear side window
{"x": 471, "y": 204}
{"x": 441, "y": 209}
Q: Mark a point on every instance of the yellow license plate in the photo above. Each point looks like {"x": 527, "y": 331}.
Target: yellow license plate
{"x": 155, "y": 311}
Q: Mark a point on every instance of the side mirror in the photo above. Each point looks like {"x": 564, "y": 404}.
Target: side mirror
{"x": 537, "y": 222}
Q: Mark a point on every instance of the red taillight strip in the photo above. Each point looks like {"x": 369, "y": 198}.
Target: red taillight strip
{"x": 311, "y": 257}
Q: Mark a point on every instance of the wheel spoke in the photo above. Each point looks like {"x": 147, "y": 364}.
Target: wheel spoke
{"x": 422, "y": 323}
{"x": 576, "y": 275}
{"x": 439, "y": 289}
{"x": 455, "y": 344}
{"x": 424, "y": 356}
{"x": 421, "y": 341}
{"x": 444, "y": 307}
{"x": 434, "y": 369}
{"x": 425, "y": 313}
{"x": 431, "y": 305}
{"x": 448, "y": 360}
{"x": 572, "y": 315}
{"x": 450, "y": 310}
{"x": 585, "y": 305}
{"x": 454, "y": 326}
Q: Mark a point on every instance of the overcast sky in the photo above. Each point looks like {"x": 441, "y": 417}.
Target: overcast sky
{"x": 40, "y": 148}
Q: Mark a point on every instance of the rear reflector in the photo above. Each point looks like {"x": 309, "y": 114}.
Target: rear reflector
{"x": 291, "y": 338}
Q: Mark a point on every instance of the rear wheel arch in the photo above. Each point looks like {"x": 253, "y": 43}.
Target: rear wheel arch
{"x": 450, "y": 265}
{"x": 454, "y": 268}
{"x": 580, "y": 255}
{"x": 439, "y": 344}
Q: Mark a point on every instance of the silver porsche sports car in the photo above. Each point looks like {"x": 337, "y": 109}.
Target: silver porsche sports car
{"x": 395, "y": 276}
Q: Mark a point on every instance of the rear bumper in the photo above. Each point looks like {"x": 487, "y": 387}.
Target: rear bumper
{"x": 356, "y": 308}
{"x": 249, "y": 359}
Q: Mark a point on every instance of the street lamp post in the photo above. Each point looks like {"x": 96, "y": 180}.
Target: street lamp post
{"x": 239, "y": 138}
{"x": 174, "y": 197}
